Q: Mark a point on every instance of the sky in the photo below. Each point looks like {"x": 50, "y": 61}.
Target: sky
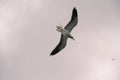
{"x": 28, "y": 35}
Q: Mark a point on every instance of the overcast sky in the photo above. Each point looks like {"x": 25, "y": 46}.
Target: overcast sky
{"x": 28, "y": 35}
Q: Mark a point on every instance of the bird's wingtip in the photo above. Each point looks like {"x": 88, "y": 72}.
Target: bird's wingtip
{"x": 51, "y": 55}
{"x": 74, "y": 8}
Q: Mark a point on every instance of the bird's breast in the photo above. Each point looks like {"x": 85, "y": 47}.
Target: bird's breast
{"x": 65, "y": 32}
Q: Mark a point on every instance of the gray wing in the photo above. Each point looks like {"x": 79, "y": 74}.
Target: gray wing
{"x": 60, "y": 46}
{"x": 73, "y": 22}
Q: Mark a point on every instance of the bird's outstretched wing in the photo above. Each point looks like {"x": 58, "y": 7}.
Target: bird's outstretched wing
{"x": 60, "y": 46}
{"x": 74, "y": 20}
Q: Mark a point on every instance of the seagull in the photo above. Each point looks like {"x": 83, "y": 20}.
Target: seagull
{"x": 65, "y": 32}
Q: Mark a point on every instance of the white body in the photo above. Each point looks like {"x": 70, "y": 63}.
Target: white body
{"x": 64, "y": 32}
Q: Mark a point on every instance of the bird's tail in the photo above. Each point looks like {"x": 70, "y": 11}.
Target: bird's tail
{"x": 73, "y": 38}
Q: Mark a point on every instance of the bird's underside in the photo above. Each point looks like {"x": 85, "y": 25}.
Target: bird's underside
{"x": 65, "y": 33}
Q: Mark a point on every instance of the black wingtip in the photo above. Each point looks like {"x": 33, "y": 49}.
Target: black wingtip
{"x": 75, "y": 10}
{"x": 51, "y": 55}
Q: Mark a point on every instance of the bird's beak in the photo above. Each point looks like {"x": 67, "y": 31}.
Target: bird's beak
{"x": 58, "y": 29}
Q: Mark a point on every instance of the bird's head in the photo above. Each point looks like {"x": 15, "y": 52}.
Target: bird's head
{"x": 59, "y": 28}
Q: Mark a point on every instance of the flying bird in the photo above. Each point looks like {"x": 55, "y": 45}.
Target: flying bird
{"x": 65, "y": 32}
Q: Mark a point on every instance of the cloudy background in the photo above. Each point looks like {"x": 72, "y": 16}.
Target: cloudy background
{"x": 28, "y": 35}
